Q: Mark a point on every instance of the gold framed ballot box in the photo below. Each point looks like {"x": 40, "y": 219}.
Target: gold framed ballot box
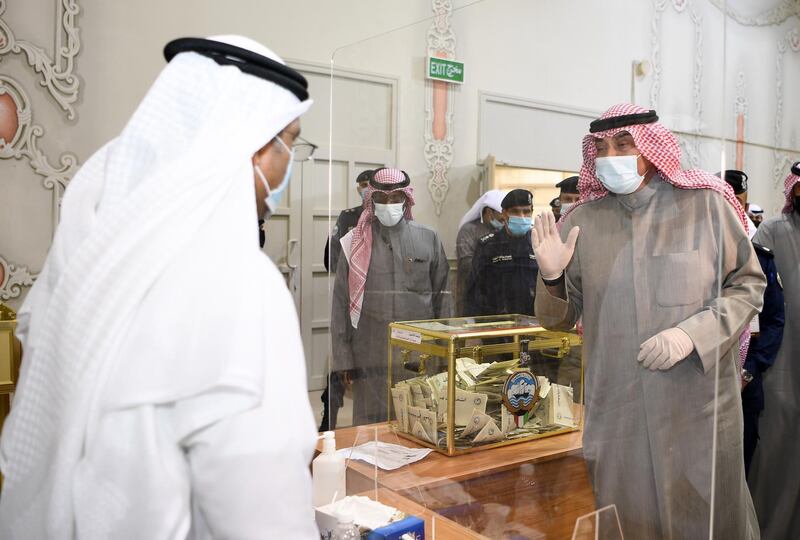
{"x": 465, "y": 384}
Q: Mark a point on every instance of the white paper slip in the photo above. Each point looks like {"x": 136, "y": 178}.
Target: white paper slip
{"x": 386, "y": 456}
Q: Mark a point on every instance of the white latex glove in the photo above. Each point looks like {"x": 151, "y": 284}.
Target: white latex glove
{"x": 552, "y": 255}
{"x": 665, "y": 349}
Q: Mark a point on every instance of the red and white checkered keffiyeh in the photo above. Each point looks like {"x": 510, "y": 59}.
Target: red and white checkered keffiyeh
{"x": 660, "y": 147}
{"x": 788, "y": 187}
{"x": 361, "y": 251}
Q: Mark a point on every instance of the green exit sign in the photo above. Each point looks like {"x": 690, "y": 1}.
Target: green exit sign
{"x": 445, "y": 70}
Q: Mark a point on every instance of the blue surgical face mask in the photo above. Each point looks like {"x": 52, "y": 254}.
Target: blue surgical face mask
{"x": 519, "y": 226}
{"x": 619, "y": 174}
{"x": 274, "y": 195}
{"x": 496, "y": 224}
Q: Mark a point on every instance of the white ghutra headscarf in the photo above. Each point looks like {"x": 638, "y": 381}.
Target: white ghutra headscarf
{"x": 174, "y": 192}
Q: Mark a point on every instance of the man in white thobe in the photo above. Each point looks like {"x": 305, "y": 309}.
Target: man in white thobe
{"x": 163, "y": 388}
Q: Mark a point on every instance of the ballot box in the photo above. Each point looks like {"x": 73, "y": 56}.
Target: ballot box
{"x": 473, "y": 383}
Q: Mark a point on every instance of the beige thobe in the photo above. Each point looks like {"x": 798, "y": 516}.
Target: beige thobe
{"x": 775, "y": 475}
{"x": 659, "y": 258}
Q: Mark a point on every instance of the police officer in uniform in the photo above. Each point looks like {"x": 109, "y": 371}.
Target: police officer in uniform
{"x": 567, "y": 196}
{"x": 344, "y": 224}
{"x": 555, "y": 206}
{"x": 766, "y": 335}
{"x": 504, "y": 268}
{"x": 765, "y": 341}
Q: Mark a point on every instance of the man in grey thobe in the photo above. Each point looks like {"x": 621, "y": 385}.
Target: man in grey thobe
{"x": 775, "y": 473}
{"x": 657, "y": 262}
{"x": 392, "y": 269}
{"x": 484, "y": 217}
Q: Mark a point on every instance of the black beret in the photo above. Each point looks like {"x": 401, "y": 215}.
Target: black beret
{"x": 796, "y": 168}
{"x": 555, "y": 203}
{"x": 737, "y": 180}
{"x": 365, "y": 176}
{"x": 569, "y": 185}
{"x": 517, "y": 197}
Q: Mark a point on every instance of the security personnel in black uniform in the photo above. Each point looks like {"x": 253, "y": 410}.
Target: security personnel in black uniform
{"x": 764, "y": 346}
{"x": 504, "y": 268}
{"x": 555, "y": 206}
{"x": 346, "y": 221}
{"x": 567, "y": 196}
{"x": 765, "y": 341}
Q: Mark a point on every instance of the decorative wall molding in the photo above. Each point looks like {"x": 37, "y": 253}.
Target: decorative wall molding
{"x": 438, "y": 148}
{"x": 740, "y": 118}
{"x": 790, "y": 41}
{"x": 772, "y": 17}
{"x": 24, "y": 145}
{"x": 56, "y": 73}
{"x": 691, "y": 145}
{"x": 740, "y": 105}
{"x": 13, "y": 278}
{"x": 19, "y": 136}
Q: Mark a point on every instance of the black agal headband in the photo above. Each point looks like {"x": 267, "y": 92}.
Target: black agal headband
{"x": 247, "y": 61}
{"x": 604, "y": 124}
{"x": 387, "y": 186}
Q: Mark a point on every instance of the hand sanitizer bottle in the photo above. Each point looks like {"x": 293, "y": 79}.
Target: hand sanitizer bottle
{"x": 328, "y": 473}
{"x": 345, "y": 529}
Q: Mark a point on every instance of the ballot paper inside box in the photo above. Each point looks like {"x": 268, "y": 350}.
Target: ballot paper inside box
{"x": 466, "y": 384}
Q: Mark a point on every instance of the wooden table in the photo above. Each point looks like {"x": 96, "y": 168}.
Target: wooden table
{"x": 535, "y": 489}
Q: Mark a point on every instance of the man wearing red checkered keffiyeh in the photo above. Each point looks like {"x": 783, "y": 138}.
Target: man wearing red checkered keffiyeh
{"x": 393, "y": 269}
{"x": 775, "y": 472}
{"x": 656, "y": 261}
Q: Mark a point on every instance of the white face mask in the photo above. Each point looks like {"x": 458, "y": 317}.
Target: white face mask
{"x": 566, "y": 206}
{"x": 619, "y": 174}
{"x": 389, "y": 214}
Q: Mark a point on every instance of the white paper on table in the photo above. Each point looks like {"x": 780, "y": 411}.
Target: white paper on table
{"x": 386, "y": 456}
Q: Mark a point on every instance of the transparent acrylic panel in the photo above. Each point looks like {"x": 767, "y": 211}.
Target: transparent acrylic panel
{"x": 760, "y": 130}
{"x": 664, "y": 268}
{"x": 602, "y": 524}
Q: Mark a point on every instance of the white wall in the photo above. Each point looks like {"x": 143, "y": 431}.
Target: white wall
{"x": 577, "y": 53}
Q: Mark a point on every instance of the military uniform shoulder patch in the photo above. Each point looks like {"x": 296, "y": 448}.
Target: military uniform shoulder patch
{"x": 486, "y": 237}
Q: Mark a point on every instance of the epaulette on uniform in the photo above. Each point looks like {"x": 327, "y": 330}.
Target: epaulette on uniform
{"x": 486, "y": 237}
{"x": 764, "y": 250}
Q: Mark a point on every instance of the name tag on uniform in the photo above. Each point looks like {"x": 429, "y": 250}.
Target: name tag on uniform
{"x": 502, "y": 258}
{"x": 755, "y": 327}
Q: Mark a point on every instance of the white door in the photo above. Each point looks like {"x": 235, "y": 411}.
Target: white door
{"x": 297, "y": 233}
